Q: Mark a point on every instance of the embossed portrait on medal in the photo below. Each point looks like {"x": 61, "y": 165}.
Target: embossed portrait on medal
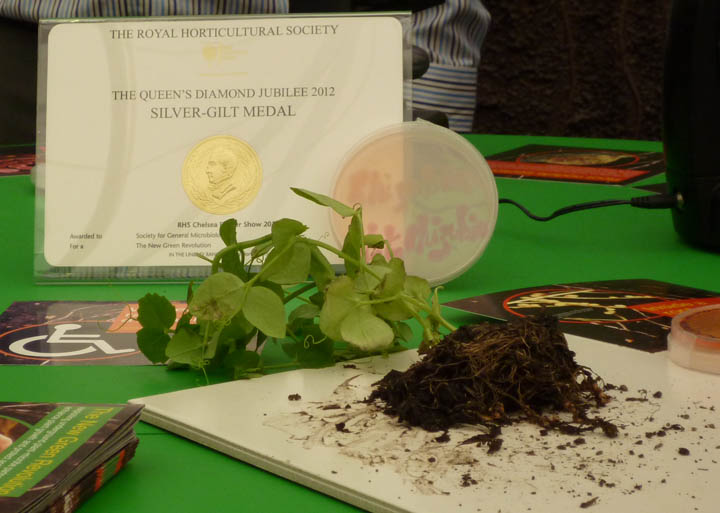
{"x": 222, "y": 174}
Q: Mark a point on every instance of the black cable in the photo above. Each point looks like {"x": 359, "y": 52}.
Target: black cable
{"x": 652, "y": 201}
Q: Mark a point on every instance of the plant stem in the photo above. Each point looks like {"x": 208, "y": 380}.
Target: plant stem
{"x": 268, "y": 264}
{"x": 204, "y": 345}
{"x": 272, "y": 367}
{"x": 296, "y": 293}
{"x": 420, "y": 305}
{"x": 237, "y": 247}
{"x": 200, "y": 255}
{"x": 344, "y": 256}
{"x": 445, "y": 323}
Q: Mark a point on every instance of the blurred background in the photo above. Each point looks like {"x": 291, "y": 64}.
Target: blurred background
{"x": 573, "y": 68}
{"x": 558, "y": 67}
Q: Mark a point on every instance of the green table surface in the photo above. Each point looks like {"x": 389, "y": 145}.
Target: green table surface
{"x": 170, "y": 473}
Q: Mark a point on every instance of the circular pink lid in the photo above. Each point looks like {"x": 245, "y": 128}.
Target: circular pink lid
{"x": 427, "y": 190}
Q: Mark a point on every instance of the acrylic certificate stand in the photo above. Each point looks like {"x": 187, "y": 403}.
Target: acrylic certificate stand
{"x": 155, "y": 131}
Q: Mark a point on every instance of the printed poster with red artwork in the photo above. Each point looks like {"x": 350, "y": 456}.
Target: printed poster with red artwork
{"x": 630, "y": 313}
{"x": 570, "y": 164}
{"x": 17, "y": 159}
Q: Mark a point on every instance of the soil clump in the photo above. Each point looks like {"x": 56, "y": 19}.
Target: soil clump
{"x": 494, "y": 375}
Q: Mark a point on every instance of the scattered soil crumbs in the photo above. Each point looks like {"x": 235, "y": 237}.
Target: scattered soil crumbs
{"x": 494, "y": 375}
{"x": 467, "y": 480}
{"x": 589, "y": 503}
{"x": 666, "y": 446}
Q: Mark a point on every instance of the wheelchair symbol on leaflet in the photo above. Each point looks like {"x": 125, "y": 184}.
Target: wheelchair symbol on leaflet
{"x": 92, "y": 342}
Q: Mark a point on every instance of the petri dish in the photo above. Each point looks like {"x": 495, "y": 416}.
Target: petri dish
{"x": 427, "y": 190}
{"x": 694, "y": 339}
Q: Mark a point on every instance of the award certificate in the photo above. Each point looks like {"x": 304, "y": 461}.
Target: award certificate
{"x": 155, "y": 132}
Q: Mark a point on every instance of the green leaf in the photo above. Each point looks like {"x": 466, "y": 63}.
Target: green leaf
{"x": 375, "y": 240}
{"x": 352, "y": 245}
{"x": 228, "y": 232}
{"x": 218, "y": 297}
{"x": 341, "y": 298}
{"x": 318, "y": 299}
{"x": 261, "y": 249}
{"x": 184, "y": 321}
{"x": 304, "y": 311}
{"x": 325, "y": 201}
{"x": 231, "y": 262}
{"x": 284, "y": 232}
{"x": 393, "y": 282}
{"x": 260, "y": 339}
{"x": 288, "y": 267}
{"x": 396, "y": 310}
{"x": 369, "y": 282}
{"x": 241, "y": 361}
{"x": 275, "y": 287}
{"x": 366, "y": 331}
{"x": 152, "y": 342}
{"x": 436, "y": 303}
{"x": 265, "y": 310}
{"x": 156, "y": 312}
{"x": 379, "y": 259}
{"x": 316, "y": 350}
{"x": 236, "y": 335}
{"x": 418, "y": 288}
{"x": 320, "y": 269}
{"x": 186, "y": 347}
{"x": 212, "y": 343}
{"x": 189, "y": 296}
{"x": 403, "y": 332}
{"x": 238, "y": 328}
{"x": 290, "y": 349}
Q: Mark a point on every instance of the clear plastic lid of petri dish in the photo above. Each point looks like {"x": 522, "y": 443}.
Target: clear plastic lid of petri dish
{"x": 427, "y": 190}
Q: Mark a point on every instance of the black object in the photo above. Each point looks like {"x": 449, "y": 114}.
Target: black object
{"x": 18, "y": 90}
{"x": 420, "y": 62}
{"x": 654, "y": 201}
{"x": 691, "y": 132}
{"x": 433, "y": 116}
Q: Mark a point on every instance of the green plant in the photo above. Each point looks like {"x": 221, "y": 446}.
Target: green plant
{"x": 366, "y": 310}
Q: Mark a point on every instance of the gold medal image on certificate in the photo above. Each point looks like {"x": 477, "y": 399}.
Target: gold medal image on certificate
{"x": 222, "y": 175}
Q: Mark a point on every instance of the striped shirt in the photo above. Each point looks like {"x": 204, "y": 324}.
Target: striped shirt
{"x": 33, "y": 10}
{"x": 452, "y": 33}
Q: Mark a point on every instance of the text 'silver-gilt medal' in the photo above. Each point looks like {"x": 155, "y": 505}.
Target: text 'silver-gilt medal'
{"x": 222, "y": 174}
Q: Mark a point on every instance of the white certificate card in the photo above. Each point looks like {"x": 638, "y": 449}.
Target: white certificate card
{"x": 157, "y": 131}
